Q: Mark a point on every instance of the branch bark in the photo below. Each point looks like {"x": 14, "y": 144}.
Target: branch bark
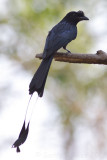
{"x": 99, "y": 58}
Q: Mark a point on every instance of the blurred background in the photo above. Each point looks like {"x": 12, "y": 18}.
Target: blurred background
{"x": 70, "y": 121}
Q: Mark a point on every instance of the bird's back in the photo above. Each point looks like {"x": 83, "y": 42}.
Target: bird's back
{"x": 60, "y": 35}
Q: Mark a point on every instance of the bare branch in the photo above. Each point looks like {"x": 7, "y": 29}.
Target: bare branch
{"x": 99, "y": 58}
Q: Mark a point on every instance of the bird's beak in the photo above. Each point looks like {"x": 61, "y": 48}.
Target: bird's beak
{"x": 84, "y": 18}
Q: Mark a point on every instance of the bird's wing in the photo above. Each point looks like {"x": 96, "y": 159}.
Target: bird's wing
{"x": 59, "y": 36}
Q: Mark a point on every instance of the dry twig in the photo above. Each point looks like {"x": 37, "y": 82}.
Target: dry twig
{"x": 99, "y": 58}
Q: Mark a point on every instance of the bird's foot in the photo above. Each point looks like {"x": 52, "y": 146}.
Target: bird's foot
{"x": 68, "y": 52}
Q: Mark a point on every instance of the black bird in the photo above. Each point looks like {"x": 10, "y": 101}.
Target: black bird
{"x": 59, "y": 36}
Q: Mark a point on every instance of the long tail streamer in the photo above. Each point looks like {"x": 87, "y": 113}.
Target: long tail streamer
{"x": 24, "y": 130}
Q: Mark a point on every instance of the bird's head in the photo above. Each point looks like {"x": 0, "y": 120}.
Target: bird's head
{"x": 75, "y": 17}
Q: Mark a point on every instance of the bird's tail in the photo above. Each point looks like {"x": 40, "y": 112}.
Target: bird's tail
{"x": 38, "y": 81}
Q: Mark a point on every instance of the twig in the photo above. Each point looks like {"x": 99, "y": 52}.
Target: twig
{"x": 99, "y": 58}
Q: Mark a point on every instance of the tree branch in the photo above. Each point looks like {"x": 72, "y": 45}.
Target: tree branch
{"x": 99, "y": 58}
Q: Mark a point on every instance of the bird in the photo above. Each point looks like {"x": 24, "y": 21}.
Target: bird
{"x": 58, "y": 37}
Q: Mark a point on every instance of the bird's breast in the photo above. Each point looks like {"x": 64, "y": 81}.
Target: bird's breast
{"x": 73, "y": 32}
